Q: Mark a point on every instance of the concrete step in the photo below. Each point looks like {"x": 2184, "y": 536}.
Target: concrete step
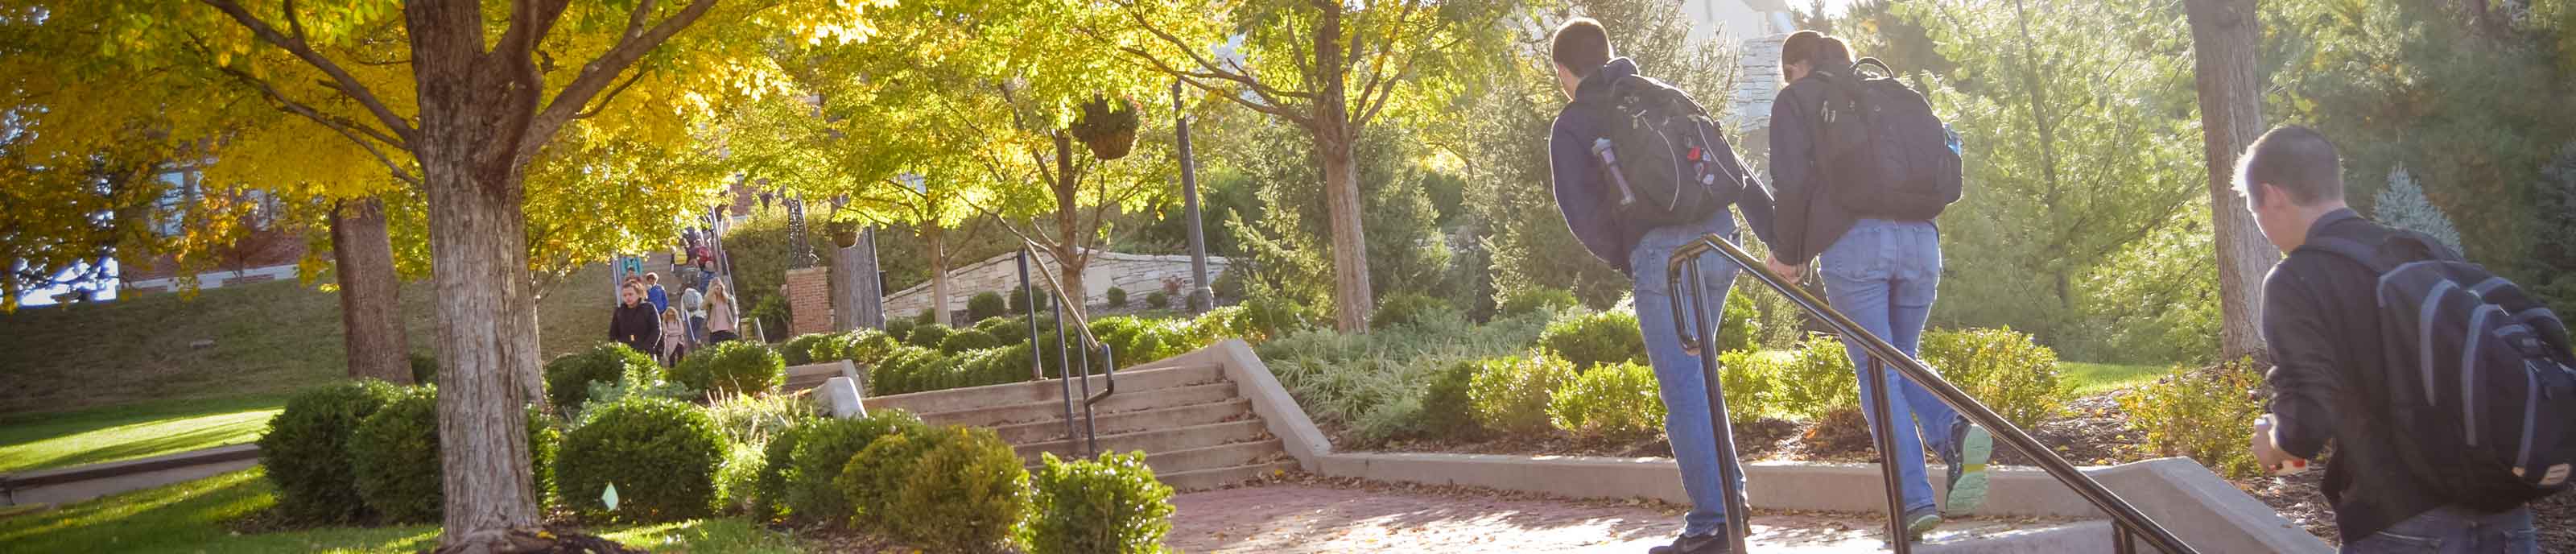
{"x": 1215, "y": 457}
{"x": 1156, "y": 440}
{"x": 1053, "y": 410}
{"x": 1213, "y": 478}
{"x": 1194, "y": 414}
{"x": 1051, "y": 390}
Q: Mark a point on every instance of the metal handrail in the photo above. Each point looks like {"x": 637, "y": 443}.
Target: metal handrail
{"x": 1088, "y": 428}
{"x": 2126, "y": 519}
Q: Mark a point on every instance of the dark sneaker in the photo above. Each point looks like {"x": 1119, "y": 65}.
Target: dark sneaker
{"x": 1711, "y": 543}
{"x": 1973, "y": 448}
{"x": 1919, "y": 522}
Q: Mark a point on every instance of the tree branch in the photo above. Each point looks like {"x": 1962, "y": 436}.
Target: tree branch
{"x": 595, "y": 76}
{"x": 611, "y": 96}
{"x": 401, "y": 129}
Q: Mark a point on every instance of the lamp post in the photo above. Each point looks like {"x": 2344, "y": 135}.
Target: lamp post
{"x": 1202, "y": 298}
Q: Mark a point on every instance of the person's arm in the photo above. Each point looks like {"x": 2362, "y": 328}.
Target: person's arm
{"x": 2305, "y": 378}
{"x": 1572, "y": 172}
{"x": 1792, "y": 175}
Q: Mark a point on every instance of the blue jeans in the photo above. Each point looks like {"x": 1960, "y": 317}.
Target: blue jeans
{"x": 1684, "y": 387}
{"x": 1884, "y": 275}
{"x": 2453, "y": 531}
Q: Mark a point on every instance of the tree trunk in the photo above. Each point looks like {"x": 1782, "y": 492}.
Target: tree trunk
{"x": 930, "y": 233}
{"x": 2224, "y": 45}
{"x": 868, "y": 305}
{"x": 845, "y": 286}
{"x": 370, "y": 294}
{"x": 1069, "y": 257}
{"x": 472, "y": 117}
{"x": 1334, "y": 135}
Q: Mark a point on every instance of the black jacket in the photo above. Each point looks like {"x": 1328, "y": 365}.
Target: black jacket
{"x": 2321, "y": 321}
{"x": 1576, "y": 176}
{"x": 1807, "y": 220}
{"x": 637, "y": 327}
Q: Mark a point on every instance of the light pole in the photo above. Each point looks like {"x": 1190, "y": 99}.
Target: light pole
{"x": 1202, "y": 298}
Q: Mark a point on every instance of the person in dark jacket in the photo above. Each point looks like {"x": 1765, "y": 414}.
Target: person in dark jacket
{"x": 2321, "y": 320}
{"x": 1881, "y": 272}
{"x": 634, "y": 323}
{"x": 1586, "y": 68}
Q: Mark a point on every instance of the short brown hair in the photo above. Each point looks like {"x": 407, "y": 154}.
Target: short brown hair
{"x": 2295, "y": 159}
{"x": 1814, "y": 48}
{"x": 1580, "y": 46}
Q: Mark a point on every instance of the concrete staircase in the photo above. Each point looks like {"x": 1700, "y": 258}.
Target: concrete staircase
{"x": 1196, "y": 429}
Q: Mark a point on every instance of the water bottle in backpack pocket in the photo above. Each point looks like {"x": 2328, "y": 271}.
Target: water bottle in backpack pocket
{"x": 1664, "y": 159}
{"x": 2481, "y": 383}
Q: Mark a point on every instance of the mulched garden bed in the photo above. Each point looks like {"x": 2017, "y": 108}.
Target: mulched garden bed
{"x": 2094, "y": 432}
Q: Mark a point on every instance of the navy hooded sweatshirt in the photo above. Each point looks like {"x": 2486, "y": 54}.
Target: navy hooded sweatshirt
{"x": 1582, "y": 192}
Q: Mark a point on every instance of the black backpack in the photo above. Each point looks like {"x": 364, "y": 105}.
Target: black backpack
{"x": 2482, "y": 386}
{"x": 1880, "y": 149}
{"x": 1663, "y": 156}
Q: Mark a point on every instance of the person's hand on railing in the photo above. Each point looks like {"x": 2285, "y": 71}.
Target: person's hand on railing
{"x": 1790, "y": 273}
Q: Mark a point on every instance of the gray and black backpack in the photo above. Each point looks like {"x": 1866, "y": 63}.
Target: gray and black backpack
{"x": 2481, "y": 384}
{"x": 1663, "y": 157}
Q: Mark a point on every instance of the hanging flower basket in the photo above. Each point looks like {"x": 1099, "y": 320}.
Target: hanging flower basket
{"x": 1107, "y": 127}
{"x": 844, "y": 234}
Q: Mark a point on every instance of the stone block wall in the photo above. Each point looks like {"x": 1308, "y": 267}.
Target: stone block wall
{"x": 809, "y": 300}
{"x": 1138, "y": 274}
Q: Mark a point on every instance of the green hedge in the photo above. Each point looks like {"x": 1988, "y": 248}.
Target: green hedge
{"x": 1617, "y": 402}
{"x": 1111, "y": 505}
{"x": 661, "y": 454}
{"x": 1511, "y": 394}
{"x": 735, "y": 367}
{"x": 985, "y": 305}
{"x": 966, "y": 493}
{"x": 1538, "y": 300}
{"x": 1409, "y": 309}
{"x": 2006, "y": 370}
{"x": 2204, "y": 414}
{"x": 826, "y": 447}
{"x": 1595, "y": 339}
{"x": 306, "y": 450}
{"x": 396, "y": 457}
{"x": 568, "y": 377}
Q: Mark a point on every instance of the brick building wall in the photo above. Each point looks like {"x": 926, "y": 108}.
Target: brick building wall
{"x": 809, "y": 300}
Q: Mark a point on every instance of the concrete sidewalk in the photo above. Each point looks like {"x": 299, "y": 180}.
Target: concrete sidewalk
{"x": 1288, "y": 517}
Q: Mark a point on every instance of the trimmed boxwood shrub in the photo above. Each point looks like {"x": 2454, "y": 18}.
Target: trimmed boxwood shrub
{"x": 968, "y": 339}
{"x": 1817, "y": 379}
{"x": 1009, "y": 330}
{"x": 395, "y": 456}
{"x": 1742, "y": 322}
{"x": 1616, "y": 402}
{"x": 306, "y": 450}
{"x": 1117, "y": 297}
{"x": 966, "y": 493}
{"x": 928, "y": 335}
{"x": 661, "y": 454}
{"x": 1255, "y": 320}
{"x": 769, "y": 490}
{"x": 800, "y": 350}
{"x": 1750, "y": 381}
{"x": 825, "y": 448}
{"x": 1446, "y": 409}
{"x": 1591, "y": 340}
{"x": 1511, "y": 394}
{"x": 872, "y": 477}
{"x": 736, "y": 367}
{"x": 568, "y": 377}
{"x": 2005, "y": 369}
{"x": 869, "y": 346}
{"x": 1158, "y": 300}
{"x": 1537, "y": 300}
{"x": 926, "y": 317}
{"x": 899, "y": 328}
{"x": 984, "y": 305}
{"x": 1408, "y": 309}
{"x": 1020, "y": 300}
{"x": 1111, "y": 505}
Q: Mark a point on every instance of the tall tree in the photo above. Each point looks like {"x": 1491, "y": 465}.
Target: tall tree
{"x": 1329, "y": 68}
{"x": 2226, "y": 44}
{"x": 462, "y": 115}
{"x": 362, "y": 249}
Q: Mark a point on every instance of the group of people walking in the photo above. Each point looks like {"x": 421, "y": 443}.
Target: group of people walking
{"x": 648, "y": 320}
{"x": 1860, "y": 168}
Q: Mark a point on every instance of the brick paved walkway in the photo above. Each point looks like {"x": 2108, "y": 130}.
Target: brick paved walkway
{"x": 1308, "y": 518}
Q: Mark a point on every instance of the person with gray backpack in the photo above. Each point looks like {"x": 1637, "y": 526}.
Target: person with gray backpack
{"x": 1861, "y": 167}
{"x": 2448, "y": 394}
{"x": 1639, "y": 169}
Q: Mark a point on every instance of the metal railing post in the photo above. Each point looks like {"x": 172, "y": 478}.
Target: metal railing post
{"x": 1730, "y": 474}
{"x": 1882, "y": 433}
{"x": 2121, "y": 511}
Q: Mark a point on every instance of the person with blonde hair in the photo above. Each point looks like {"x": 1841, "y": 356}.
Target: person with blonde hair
{"x": 721, "y": 312}
{"x": 675, "y": 337}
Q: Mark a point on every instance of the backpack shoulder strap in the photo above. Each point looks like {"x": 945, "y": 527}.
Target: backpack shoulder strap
{"x": 2366, "y": 254}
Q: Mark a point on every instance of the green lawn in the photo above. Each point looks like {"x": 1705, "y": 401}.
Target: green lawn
{"x": 269, "y": 338}
{"x": 189, "y": 517}
{"x": 31, "y": 442}
{"x": 2092, "y": 378}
